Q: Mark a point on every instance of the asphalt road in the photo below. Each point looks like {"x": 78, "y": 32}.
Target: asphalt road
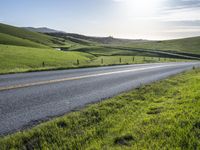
{"x": 28, "y": 98}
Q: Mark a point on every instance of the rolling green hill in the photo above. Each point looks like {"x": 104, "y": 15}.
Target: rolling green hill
{"x": 188, "y": 45}
{"x": 96, "y": 40}
{"x": 24, "y": 37}
{"x": 38, "y": 38}
{"x": 22, "y": 50}
{"x": 13, "y": 40}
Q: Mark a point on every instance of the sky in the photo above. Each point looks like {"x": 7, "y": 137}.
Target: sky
{"x": 133, "y": 19}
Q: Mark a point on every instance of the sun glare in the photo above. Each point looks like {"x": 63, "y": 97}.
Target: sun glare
{"x": 141, "y": 8}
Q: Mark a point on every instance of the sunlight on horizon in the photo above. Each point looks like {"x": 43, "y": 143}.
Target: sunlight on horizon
{"x": 157, "y": 19}
{"x": 140, "y": 8}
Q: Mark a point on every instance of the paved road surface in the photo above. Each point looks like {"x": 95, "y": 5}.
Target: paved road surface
{"x": 27, "y": 98}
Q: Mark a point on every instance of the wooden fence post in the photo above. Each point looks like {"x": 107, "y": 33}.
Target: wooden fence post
{"x": 120, "y": 60}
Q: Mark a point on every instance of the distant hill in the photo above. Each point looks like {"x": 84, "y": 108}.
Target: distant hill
{"x": 83, "y": 39}
{"x": 100, "y": 40}
{"x": 69, "y": 41}
{"x": 42, "y": 30}
{"x": 11, "y": 35}
{"x": 186, "y": 45}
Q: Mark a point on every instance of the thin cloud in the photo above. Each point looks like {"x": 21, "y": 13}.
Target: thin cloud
{"x": 182, "y": 4}
{"x": 185, "y": 23}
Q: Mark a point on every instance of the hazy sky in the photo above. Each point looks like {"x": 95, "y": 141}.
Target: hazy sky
{"x": 146, "y": 19}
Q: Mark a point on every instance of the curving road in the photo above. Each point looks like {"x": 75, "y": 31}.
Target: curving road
{"x": 28, "y": 98}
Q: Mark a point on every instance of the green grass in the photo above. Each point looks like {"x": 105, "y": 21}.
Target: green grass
{"x": 130, "y": 51}
{"x": 12, "y": 40}
{"x": 22, "y": 59}
{"x": 116, "y": 60}
{"x": 189, "y": 45}
{"x": 101, "y": 51}
{"x": 162, "y": 115}
{"x": 29, "y": 35}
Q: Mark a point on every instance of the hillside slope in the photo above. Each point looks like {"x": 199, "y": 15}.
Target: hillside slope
{"x": 98, "y": 40}
{"x": 188, "y": 45}
{"x": 41, "y": 30}
{"x": 29, "y": 35}
{"x": 13, "y": 40}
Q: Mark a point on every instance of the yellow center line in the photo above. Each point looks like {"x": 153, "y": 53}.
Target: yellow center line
{"x": 75, "y": 78}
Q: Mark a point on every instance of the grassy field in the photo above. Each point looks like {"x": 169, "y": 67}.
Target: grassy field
{"x": 102, "y": 51}
{"x": 22, "y": 59}
{"x": 190, "y": 45}
{"x": 162, "y": 115}
{"x": 115, "y": 60}
{"x": 131, "y": 51}
{"x": 128, "y": 54}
